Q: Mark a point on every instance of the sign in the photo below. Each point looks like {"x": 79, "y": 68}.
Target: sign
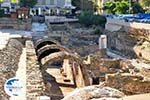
{"x": 13, "y": 87}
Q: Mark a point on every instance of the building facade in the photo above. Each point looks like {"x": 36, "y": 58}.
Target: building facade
{"x": 51, "y": 7}
{"x": 51, "y": 3}
{"x": 9, "y": 5}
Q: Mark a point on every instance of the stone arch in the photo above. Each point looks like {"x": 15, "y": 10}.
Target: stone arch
{"x": 49, "y": 47}
{"x": 47, "y": 52}
{"x": 61, "y": 55}
{"x": 45, "y": 41}
{"x": 81, "y": 79}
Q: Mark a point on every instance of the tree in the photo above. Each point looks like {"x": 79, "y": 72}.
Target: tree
{"x": 87, "y": 18}
{"x": 83, "y": 4}
{"x": 97, "y": 6}
{"x": 137, "y": 8}
{"x": 122, "y": 7}
{"x": 27, "y": 3}
{"x": 14, "y": 1}
{"x": 77, "y": 3}
{"x": 1, "y": 2}
{"x": 109, "y": 7}
{"x": 145, "y": 4}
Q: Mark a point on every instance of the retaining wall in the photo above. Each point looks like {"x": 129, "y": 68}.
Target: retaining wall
{"x": 35, "y": 83}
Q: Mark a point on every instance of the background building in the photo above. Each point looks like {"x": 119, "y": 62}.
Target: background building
{"x": 51, "y": 7}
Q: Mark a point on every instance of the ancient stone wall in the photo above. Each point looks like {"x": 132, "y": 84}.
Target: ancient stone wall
{"x": 114, "y": 24}
{"x": 35, "y": 83}
{"x": 127, "y": 40}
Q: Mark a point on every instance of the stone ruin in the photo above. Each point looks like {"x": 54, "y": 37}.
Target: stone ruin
{"x": 94, "y": 69}
{"x": 99, "y": 71}
{"x": 130, "y": 42}
{"x": 98, "y": 67}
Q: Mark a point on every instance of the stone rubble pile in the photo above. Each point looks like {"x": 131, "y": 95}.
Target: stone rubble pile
{"x": 9, "y": 59}
{"x": 94, "y": 93}
{"x": 119, "y": 74}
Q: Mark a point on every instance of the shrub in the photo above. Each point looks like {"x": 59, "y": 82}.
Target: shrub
{"x": 88, "y": 19}
{"x": 97, "y": 31}
{"x": 85, "y": 18}
{"x": 2, "y": 13}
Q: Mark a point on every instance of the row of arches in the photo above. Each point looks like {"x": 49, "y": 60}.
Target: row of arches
{"x": 49, "y": 51}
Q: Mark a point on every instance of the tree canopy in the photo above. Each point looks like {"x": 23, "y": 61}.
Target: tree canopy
{"x": 83, "y": 4}
{"x": 27, "y": 3}
{"x": 14, "y": 1}
{"x": 122, "y": 7}
{"x": 87, "y": 18}
{"x": 145, "y": 4}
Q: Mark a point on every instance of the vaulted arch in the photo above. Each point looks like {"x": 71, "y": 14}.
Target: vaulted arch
{"x": 49, "y": 47}
{"x": 82, "y": 78}
{"x": 61, "y": 55}
{"x": 47, "y": 52}
{"x": 45, "y": 41}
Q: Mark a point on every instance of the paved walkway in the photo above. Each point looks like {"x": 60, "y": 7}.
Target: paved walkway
{"x": 21, "y": 75}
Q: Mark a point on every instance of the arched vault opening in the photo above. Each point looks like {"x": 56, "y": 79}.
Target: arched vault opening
{"x": 47, "y": 52}
{"x": 53, "y": 46}
{"x": 46, "y": 41}
{"x": 80, "y": 78}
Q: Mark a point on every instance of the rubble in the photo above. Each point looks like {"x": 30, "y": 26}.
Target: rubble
{"x": 95, "y": 93}
{"x": 9, "y": 58}
{"x": 102, "y": 68}
{"x": 83, "y": 64}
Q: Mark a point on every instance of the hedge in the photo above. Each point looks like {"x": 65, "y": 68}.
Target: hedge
{"x": 89, "y": 19}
